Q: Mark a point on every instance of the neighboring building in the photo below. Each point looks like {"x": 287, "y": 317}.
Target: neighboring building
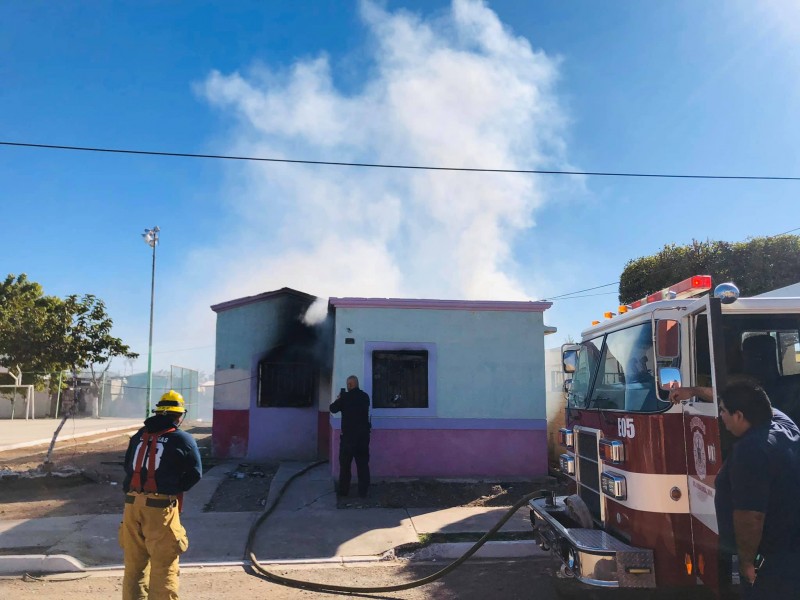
{"x": 790, "y": 291}
{"x": 458, "y": 387}
{"x": 556, "y": 402}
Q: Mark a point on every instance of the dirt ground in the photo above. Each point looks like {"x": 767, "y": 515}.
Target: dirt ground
{"x": 428, "y": 493}
{"x": 245, "y": 489}
{"x": 88, "y": 474}
{"x": 520, "y": 579}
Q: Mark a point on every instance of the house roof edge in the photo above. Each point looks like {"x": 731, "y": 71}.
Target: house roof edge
{"x": 237, "y": 302}
{"x": 430, "y": 304}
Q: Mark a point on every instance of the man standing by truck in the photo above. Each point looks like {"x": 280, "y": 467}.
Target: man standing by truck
{"x": 757, "y": 491}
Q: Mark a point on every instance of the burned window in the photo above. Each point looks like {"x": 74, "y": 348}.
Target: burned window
{"x": 286, "y": 384}
{"x": 400, "y": 379}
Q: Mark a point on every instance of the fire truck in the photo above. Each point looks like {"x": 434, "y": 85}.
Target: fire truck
{"x": 642, "y": 469}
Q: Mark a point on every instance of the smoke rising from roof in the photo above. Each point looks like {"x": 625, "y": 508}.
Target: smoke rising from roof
{"x": 456, "y": 89}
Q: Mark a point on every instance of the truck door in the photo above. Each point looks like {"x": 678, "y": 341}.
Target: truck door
{"x": 702, "y": 436}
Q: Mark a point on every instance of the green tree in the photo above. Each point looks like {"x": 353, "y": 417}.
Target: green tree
{"x": 28, "y": 329}
{"x": 756, "y": 266}
{"x": 88, "y": 339}
{"x": 43, "y": 335}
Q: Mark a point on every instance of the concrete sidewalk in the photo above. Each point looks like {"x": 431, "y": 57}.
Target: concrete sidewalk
{"x": 306, "y": 526}
{"x": 22, "y": 433}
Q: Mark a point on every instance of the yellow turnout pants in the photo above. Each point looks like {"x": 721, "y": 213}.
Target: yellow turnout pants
{"x": 152, "y": 538}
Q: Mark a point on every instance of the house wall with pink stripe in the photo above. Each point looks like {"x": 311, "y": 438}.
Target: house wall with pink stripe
{"x": 483, "y": 413}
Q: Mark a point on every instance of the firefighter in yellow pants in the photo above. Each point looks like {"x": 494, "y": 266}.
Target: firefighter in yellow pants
{"x": 161, "y": 463}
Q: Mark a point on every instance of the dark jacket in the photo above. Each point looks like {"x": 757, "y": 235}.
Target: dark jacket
{"x": 354, "y": 406}
{"x": 178, "y": 465}
{"x": 762, "y": 474}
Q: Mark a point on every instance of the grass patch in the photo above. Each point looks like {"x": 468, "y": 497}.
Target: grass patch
{"x": 425, "y": 539}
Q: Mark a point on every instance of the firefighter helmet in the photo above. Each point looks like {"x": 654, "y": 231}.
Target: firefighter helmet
{"x": 171, "y": 402}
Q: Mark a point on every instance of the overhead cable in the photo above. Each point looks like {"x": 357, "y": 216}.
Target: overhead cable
{"x": 397, "y": 166}
{"x": 570, "y": 295}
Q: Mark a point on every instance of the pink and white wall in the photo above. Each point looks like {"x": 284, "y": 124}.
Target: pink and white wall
{"x": 486, "y": 414}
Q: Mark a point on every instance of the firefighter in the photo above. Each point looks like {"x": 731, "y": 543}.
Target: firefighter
{"x": 161, "y": 464}
{"x": 757, "y": 491}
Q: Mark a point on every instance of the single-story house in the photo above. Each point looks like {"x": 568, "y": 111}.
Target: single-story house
{"x": 457, "y": 387}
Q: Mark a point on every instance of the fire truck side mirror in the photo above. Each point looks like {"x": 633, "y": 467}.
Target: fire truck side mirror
{"x": 569, "y": 360}
{"x": 669, "y": 378}
{"x": 668, "y": 339}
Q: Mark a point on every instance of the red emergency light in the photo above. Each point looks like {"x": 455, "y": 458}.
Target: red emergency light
{"x": 688, "y": 288}
{"x": 691, "y": 286}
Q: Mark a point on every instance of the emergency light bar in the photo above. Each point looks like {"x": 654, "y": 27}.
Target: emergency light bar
{"x": 688, "y": 288}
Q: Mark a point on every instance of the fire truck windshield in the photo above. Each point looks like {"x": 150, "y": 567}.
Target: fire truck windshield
{"x": 617, "y": 372}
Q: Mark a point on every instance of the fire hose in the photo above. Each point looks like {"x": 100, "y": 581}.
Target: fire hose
{"x": 342, "y": 589}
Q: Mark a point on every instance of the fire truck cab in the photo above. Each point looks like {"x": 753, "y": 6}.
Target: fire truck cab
{"x": 642, "y": 469}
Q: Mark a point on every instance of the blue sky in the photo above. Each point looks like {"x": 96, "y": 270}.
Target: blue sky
{"x": 677, "y": 87}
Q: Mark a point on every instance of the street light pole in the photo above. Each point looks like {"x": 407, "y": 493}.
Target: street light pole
{"x": 151, "y": 239}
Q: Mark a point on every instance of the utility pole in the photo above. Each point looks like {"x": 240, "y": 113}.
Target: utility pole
{"x": 151, "y": 239}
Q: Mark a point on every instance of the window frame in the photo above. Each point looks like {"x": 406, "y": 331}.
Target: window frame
{"x": 313, "y": 382}
{"x": 592, "y": 374}
{"x": 587, "y": 405}
{"x": 430, "y": 348}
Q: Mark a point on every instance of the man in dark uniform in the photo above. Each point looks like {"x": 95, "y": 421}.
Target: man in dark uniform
{"x": 161, "y": 463}
{"x": 354, "y": 441}
{"x": 757, "y": 491}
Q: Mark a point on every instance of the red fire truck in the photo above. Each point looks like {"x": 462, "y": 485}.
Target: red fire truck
{"x": 642, "y": 469}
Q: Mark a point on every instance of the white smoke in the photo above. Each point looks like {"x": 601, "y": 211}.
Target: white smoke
{"x": 457, "y": 90}
{"x": 317, "y": 312}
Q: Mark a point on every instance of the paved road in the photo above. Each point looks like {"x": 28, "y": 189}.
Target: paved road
{"x": 20, "y": 433}
{"x": 527, "y": 579}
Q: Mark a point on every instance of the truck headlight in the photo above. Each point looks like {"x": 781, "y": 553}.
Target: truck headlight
{"x": 565, "y": 437}
{"x": 567, "y": 464}
{"x": 614, "y": 485}
{"x": 612, "y": 451}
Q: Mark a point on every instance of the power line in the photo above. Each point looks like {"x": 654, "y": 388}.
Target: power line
{"x": 396, "y": 166}
{"x": 587, "y": 296}
{"x": 784, "y": 233}
{"x": 183, "y": 349}
{"x": 597, "y": 287}
{"x": 570, "y": 295}
{"x": 112, "y": 378}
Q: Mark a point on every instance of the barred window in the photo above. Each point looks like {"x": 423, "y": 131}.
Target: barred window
{"x": 285, "y": 384}
{"x": 400, "y": 379}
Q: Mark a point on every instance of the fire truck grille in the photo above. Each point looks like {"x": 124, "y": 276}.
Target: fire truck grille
{"x": 588, "y": 472}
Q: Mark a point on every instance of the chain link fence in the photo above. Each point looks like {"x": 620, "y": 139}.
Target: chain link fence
{"x": 123, "y": 396}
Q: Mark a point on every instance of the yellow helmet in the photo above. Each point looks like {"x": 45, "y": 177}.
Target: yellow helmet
{"x": 171, "y": 402}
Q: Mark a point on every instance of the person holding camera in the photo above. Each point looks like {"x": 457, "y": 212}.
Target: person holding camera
{"x": 353, "y": 403}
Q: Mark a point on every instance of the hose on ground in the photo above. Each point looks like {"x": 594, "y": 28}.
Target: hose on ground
{"x": 325, "y": 587}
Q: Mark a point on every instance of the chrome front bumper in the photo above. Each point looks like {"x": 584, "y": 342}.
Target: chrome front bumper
{"x": 592, "y": 556}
